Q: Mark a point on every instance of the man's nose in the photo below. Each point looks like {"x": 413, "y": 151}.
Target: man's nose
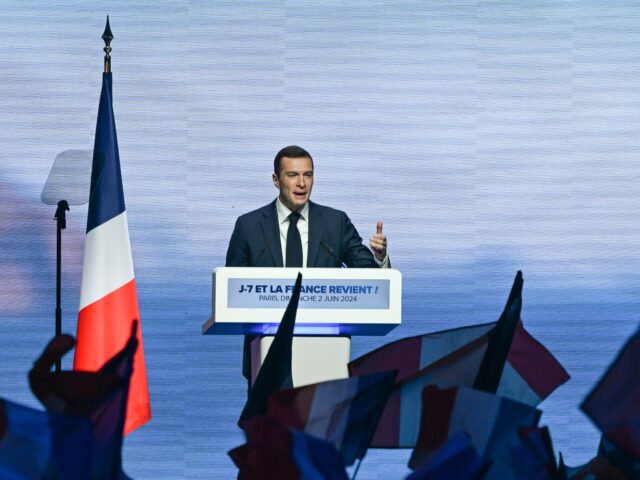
{"x": 301, "y": 181}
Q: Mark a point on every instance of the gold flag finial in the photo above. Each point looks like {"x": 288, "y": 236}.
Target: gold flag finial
{"x": 107, "y": 36}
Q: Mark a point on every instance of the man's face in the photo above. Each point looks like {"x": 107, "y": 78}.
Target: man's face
{"x": 294, "y": 182}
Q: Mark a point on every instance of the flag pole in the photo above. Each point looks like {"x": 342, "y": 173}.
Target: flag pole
{"x": 107, "y": 36}
{"x": 63, "y": 207}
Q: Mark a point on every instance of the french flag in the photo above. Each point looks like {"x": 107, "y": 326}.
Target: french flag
{"x": 492, "y": 423}
{"x": 614, "y": 403}
{"x": 450, "y": 358}
{"x": 37, "y": 444}
{"x": 343, "y": 412}
{"x": 275, "y": 451}
{"x": 108, "y": 299}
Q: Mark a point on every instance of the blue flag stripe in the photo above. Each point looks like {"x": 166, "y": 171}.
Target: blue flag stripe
{"x": 107, "y": 197}
{"x": 364, "y": 413}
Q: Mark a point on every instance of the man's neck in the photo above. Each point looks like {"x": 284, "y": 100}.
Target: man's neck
{"x": 284, "y": 211}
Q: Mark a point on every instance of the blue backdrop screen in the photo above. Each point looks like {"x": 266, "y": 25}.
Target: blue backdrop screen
{"x": 488, "y": 136}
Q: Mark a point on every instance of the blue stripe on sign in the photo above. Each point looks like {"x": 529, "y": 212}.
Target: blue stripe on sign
{"x": 106, "y": 198}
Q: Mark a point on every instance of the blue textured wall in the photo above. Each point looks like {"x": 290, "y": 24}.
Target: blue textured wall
{"x": 489, "y": 136}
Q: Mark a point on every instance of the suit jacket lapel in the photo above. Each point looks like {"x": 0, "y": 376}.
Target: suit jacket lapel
{"x": 316, "y": 227}
{"x": 271, "y": 232}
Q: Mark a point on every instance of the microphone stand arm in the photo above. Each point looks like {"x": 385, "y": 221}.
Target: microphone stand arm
{"x": 61, "y": 224}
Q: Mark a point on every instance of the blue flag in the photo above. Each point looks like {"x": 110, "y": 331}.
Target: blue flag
{"x": 317, "y": 459}
{"x": 455, "y": 459}
{"x": 37, "y": 444}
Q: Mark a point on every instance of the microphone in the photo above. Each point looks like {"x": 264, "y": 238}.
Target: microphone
{"x": 330, "y": 251}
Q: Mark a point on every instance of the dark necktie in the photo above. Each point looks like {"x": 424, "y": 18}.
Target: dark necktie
{"x": 294, "y": 242}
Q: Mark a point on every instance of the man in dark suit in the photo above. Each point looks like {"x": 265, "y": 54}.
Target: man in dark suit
{"x": 292, "y": 231}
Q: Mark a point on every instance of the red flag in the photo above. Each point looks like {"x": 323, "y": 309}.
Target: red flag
{"x": 276, "y": 452}
{"x": 267, "y": 453}
{"x": 108, "y": 300}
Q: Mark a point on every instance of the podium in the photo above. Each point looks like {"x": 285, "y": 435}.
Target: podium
{"x": 334, "y": 304}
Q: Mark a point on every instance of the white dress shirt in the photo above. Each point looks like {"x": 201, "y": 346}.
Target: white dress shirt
{"x": 303, "y": 228}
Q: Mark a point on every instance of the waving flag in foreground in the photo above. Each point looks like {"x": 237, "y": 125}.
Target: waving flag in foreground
{"x": 317, "y": 459}
{"x": 614, "y": 404}
{"x": 599, "y": 468}
{"x": 533, "y": 457}
{"x": 499, "y": 341}
{"x": 267, "y": 453}
{"x": 619, "y": 458}
{"x": 455, "y": 459}
{"x": 80, "y": 433}
{"x": 108, "y": 299}
{"x": 343, "y": 412}
{"x": 98, "y": 396}
{"x": 275, "y": 372}
{"x": 36, "y": 444}
{"x": 490, "y": 421}
{"x": 275, "y": 452}
{"x": 454, "y": 357}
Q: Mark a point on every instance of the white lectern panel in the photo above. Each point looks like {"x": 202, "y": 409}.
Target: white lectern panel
{"x": 313, "y": 359}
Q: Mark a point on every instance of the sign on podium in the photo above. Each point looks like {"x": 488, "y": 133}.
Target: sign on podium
{"x": 334, "y": 304}
{"x": 333, "y": 301}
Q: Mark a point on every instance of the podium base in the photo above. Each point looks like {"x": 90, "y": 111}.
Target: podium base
{"x": 314, "y": 359}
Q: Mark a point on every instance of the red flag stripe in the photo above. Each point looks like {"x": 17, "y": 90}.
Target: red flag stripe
{"x": 300, "y": 398}
{"x": 387, "y": 433}
{"x": 437, "y": 412}
{"x": 535, "y": 363}
{"x": 3, "y": 420}
{"x": 95, "y": 321}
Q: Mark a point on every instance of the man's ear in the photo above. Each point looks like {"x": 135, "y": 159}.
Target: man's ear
{"x": 276, "y": 180}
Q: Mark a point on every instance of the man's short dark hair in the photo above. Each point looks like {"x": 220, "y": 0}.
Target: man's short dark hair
{"x": 292, "y": 151}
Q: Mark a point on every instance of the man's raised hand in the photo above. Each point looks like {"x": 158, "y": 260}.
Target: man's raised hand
{"x": 378, "y": 243}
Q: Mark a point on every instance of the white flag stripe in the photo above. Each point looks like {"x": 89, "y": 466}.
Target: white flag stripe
{"x": 326, "y": 419}
{"x": 411, "y": 401}
{"x": 438, "y": 345}
{"x": 474, "y": 412}
{"x": 107, "y": 260}
{"x": 461, "y": 371}
{"x": 512, "y": 385}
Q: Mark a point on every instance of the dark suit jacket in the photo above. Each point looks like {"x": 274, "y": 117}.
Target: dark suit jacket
{"x": 255, "y": 242}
